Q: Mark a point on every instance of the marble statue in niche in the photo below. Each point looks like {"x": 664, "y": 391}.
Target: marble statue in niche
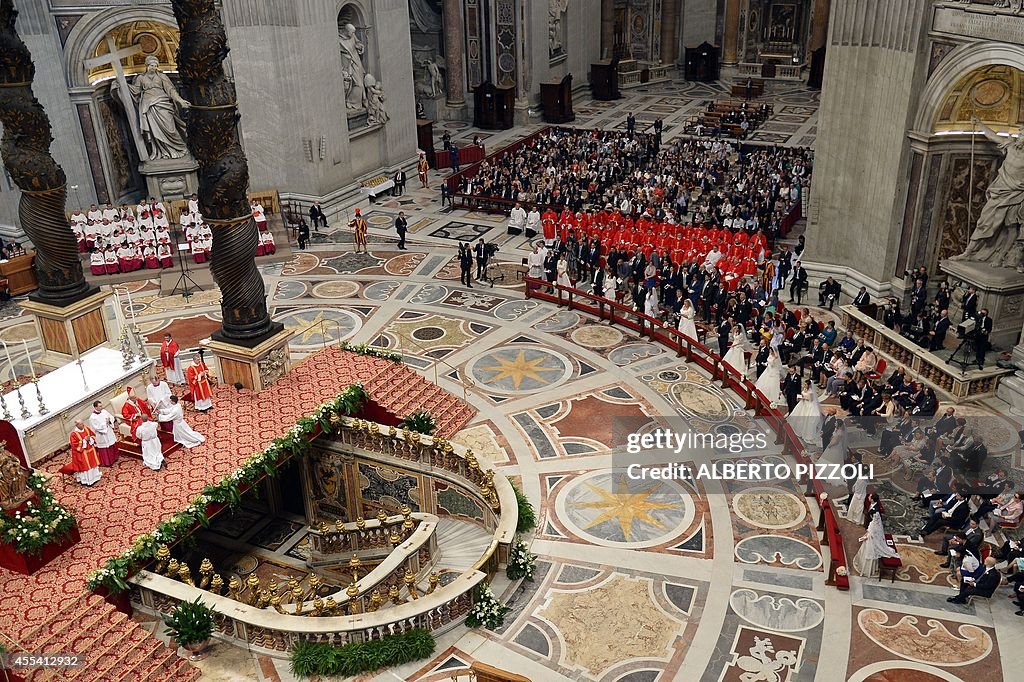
{"x": 994, "y": 240}
{"x": 157, "y": 104}
{"x": 431, "y": 82}
{"x": 375, "y": 114}
{"x": 556, "y": 16}
{"x": 353, "y": 71}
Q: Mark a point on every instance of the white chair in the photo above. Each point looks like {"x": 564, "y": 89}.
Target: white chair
{"x": 116, "y": 405}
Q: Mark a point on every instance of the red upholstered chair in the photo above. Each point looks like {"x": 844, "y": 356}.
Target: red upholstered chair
{"x": 878, "y": 371}
{"x": 67, "y": 471}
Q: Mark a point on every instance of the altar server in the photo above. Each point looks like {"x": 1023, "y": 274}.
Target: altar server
{"x": 158, "y": 395}
{"x": 134, "y": 410}
{"x": 267, "y": 242}
{"x": 198, "y": 376}
{"x": 183, "y": 433}
{"x": 259, "y": 215}
{"x": 163, "y": 254}
{"x": 84, "y": 460}
{"x": 103, "y": 425}
{"x": 170, "y": 361}
{"x": 97, "y": 264}
{"x": 152, "y": 451}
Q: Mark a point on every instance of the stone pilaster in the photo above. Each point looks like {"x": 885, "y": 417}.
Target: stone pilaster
{"x": 730, "y": 38}
{"x": 669, "y": 36}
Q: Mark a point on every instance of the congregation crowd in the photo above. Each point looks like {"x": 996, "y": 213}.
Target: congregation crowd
{"x": 125, "y": 239}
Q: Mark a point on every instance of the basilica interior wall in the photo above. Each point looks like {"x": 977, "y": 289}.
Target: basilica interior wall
{"x": 862, "y": 151}
{"x": 699, "y": 22}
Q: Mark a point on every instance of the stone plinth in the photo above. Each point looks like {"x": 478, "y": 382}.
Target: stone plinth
{"x": 67, "y": 333}
{"x": 167, "y": 178}
{"x": 1000, "y": 290}
{"x": 257, "y": 367}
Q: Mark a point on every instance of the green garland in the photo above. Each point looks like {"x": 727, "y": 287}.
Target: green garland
{"x": 42, "y": 522}
{"x": 326, "y": 660}
{"x": 527, "y": 514}
{"x": 372, "y": 351}
{"x": 113, "y": 575}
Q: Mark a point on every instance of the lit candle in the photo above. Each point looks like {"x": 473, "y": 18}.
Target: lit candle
{"x": 31, "y": 369}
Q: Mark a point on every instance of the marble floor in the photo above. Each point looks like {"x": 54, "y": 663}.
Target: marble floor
{"x": 667, "y": 582}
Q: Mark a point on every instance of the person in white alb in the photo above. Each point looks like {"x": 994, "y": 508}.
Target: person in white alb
{"x": 158, "y": 395}
{"x": 152, "y": 452}
{"x": 517, "y": 219}
{"x": 104, "y": 424}
{"x": 183, "y": 433}
{"x": 259, "y": 216}
{"x": 533, "y": 222}
{"x": 110, "y": 213}
{"x": 193, "y": 204}
{"x": 94, "y": 215}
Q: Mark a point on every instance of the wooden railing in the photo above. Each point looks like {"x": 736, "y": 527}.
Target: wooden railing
{"x": 697, "y": 353}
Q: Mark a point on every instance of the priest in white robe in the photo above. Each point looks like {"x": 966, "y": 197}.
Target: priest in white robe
{"x": 104, "y": 425}
{"x": 152, "y": 451}
{"x": 158, "y": 395}
{"x": 183, "y": 433}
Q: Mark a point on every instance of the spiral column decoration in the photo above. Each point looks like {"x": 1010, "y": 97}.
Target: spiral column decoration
{"x": 223, "y": 172}
{"x": 25, "y": 149}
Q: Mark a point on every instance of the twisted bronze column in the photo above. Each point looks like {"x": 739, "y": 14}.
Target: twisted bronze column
{"x": 26, "y": 154}
{"x": 223, "y": 172}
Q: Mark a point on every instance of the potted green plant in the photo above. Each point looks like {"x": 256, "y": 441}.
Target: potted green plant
{"x": 191, "y": 625}
{"x": 420, "y": 421}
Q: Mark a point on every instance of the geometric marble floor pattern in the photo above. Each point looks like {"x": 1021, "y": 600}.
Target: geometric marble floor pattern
{"x": 634, "y": 583}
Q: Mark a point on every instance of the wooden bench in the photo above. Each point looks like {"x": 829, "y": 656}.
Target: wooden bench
{"x": 739, "y": 88}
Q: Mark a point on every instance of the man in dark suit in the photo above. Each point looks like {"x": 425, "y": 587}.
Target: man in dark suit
{"x": 724, "y": 329}
{"x": 481, "y": 259}
{"x": 984, "y": 586}
{"x": 828, "y": 428}
{"x": 303, "y": 234}
{"x": 946, "y": 423}
{"x": 796, "y": 287}
{"x": 982, "y": 331}
{"x": 631, "y": 123}
{"x": 955, "y": 516}
{"x": 316, "y": 216}
{"x": 938, "y": 332}
{"x": 918, "y": 298}
{"x": 399, "y": 180}
{"x": 761, "y": 358}
{"x": 744, "y": 309}
{"x": 401, "y": 226}
{"x": 969, "y": 304}
{"x": 828, "y": 292}
{"x": 466, "y": 264}
{"x": 791, "y": 386}
{"x": 862, "y": 299}
{"x": 954, "y": 545}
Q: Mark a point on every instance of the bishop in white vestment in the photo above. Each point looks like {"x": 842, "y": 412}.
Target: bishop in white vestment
{"x": 183, "y": 433}
{"x": 152, "y": 452}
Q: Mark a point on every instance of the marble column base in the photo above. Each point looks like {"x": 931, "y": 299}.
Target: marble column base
{"x": 68, "y": 332}
{"x": 255, "y": 368}
{"x": 170, "y": 178}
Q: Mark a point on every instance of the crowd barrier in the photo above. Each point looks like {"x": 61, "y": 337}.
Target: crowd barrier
{"x": 701, "y": 355}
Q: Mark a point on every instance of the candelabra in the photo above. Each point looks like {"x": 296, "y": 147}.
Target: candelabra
{"x": 25, "y": 414}
{"x": 139, "y": 342}
{"x": 126, "y": 351}
{"x": 7, "y": 411}
{"x": 39, "y": 398}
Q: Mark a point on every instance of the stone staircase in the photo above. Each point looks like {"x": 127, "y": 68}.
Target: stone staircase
{"x": 114, "y": 646}
{"x": 461, "y": 544}
{"x": 401, "y": 391}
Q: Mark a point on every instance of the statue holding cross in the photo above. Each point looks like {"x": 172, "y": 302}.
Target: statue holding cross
{"x": 151, "y": 102}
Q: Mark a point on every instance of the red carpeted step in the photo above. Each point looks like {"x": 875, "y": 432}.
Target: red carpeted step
{"x": 174, "y": 669}
{"x": 80, "y": 614}
{"x": 106, "y": 661}
{"x": 130, "y": 448}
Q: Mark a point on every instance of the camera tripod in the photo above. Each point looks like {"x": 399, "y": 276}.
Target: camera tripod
{"x": 489, "y": 275}
{"x": 966, "y": 351}
{"x": 184, "y": 279}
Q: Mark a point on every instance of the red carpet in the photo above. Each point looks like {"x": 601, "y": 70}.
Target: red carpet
{"x": 131, "y": 500}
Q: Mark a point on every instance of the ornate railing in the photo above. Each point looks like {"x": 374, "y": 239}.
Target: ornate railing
{"x": 711, "y": 362}
{"x": 253, "y": 618}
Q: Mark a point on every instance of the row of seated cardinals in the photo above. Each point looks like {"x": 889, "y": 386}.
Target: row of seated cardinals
{"x": 741, "y": 251}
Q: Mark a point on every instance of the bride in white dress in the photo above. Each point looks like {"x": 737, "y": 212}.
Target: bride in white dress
{"x": 838, "y": 447}
{"x": 872, "y": 548}
{"x": 736, "y": 357}
{"x": 686, "y": 323}
{"x": 770, "y": 381}
{"x": 806, "y": 416}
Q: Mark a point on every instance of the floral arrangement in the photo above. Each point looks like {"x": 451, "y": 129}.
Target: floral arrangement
{"x": 420, "y": 421}
{"x": 113, "y": 575}
{"x": 486, "y": 611}
{"x": 521, "y": 562}
{"x": 373, "y": 351}
{"x": 43, "y": 521}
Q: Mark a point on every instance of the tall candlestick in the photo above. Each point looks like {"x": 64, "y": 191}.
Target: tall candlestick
{"x": 31, "y": 369}
{"x": 118, "y": 312}
{"x": 10, "y": 362}
{"x": 131, "y": 306}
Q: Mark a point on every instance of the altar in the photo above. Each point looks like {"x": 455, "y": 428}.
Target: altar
{"x": 68, "y": 393}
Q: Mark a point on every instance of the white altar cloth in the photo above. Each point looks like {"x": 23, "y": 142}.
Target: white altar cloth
{"x": 72, "y": 386}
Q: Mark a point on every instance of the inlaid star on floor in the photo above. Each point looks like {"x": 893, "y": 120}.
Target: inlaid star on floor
{"x": 520, "y": 369}
{"x": 625, "y": 506}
